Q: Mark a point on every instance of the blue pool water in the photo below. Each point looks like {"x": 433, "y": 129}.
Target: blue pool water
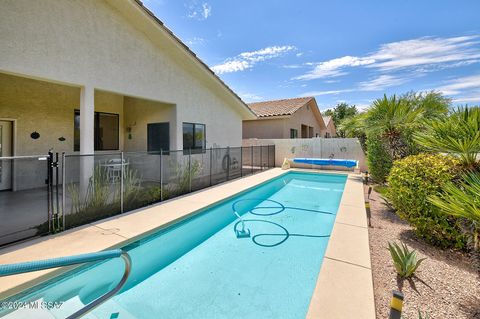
{"x": 198, "y": 268}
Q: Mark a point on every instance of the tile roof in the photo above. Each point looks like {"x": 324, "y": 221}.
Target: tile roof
{"x": 283, "y": 107}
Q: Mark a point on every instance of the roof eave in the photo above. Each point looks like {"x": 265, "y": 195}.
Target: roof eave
{"x": 137, "y": 5}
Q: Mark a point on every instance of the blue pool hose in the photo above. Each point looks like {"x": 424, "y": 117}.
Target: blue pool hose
{"x": 285, "y": 233}
{"x": 20, "y": 268}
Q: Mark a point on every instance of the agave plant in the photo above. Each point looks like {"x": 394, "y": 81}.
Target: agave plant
{"x": 404, "y": 260}
{"x": 457, "y": 134}
{"x": 421, "y": 316}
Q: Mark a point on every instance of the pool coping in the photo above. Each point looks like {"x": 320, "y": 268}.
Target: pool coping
{"x": 344, "y": 284}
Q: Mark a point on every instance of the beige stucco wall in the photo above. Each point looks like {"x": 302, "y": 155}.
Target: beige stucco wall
{"x": 341, "y": 148}
{"x": 303, "y": 116}
{"x": 280, "y": 127}
{"x": 43, "y": 107}
{"x": 331, "y": 129}
{"x": 48, "y": 109}
{"x": 138, "y": 113}
{"x": 265, "y": 128}
{"x": 114, "y": 46}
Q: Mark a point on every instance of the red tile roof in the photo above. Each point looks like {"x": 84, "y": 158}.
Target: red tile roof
{"x": 283, "y": 107}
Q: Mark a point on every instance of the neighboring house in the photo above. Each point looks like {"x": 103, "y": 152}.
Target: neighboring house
{"x": 331, "y": 130}
{"x": 103, "y": 75}
{"x": 288, "y": 118}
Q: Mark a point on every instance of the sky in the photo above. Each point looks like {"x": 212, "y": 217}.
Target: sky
{"x": 351, "y": 51}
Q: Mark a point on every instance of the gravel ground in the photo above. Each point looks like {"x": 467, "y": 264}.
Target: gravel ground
{"x": 446, "y": 284}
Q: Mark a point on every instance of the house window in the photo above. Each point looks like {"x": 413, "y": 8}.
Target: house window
{"x": 194, "y": 137}
{"x": 158, "y": 137}
{"x": 106, "y": 131}
{"x": 293, "y": 133}
{"x": 327, "y": 135}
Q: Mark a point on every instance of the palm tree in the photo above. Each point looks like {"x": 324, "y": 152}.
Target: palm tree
{"x": 457, "y": 134}
{"x": 353, "y": 126}
{"x": 462, "y": 200}
{"x": 393, "y": 119}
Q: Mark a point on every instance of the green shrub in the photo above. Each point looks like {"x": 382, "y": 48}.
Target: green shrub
{"x": 404, "y": 260}
{"x": 412, "y": 181}
{"x": 378, "y": 157}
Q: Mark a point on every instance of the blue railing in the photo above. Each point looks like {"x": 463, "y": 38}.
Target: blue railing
{"x": 20, "y": 268}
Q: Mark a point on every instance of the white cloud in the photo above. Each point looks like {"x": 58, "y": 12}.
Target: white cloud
{"x": 247, "y": 60}
{"x": 207, "y": 10}
{"x": 331, "y": 92}
{"x": 426, "y": 51}
{"x": 199, "y": 10}
{"x": 422, "y": 55}
{"x": 334, "y": 67}
{"x": 458, "y": 86}
{"x": 381, "y": 82}
{"x": 362, "y": 106}
{"x": 250, "y": 97}
{"x": 195, "y": 40}
{"x": 376, "y": 84}
{"x": 468, "y": 99}
{"x": 231, "y": 66}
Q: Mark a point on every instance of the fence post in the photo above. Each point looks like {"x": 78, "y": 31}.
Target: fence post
{"x": 261, "y": 158}
{"x": 274, "y": 154}
{"x": 121, "y": 181}
{"x": 190, "y": 170}
{"x": 63, "y": 189}
{"x": 49, "y": 190}
{"x": 161, "y": 175}
{"x": 228, "y": 163}
{"x": 268, "y": 156}
{"x": 211, "y": 155}
{"x": 241, "y": 161}
{"x": 57, "y": 199}
{"x": 251, "y": 158}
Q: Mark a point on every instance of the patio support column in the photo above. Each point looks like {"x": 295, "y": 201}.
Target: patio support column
{"x": 87, "y": 114}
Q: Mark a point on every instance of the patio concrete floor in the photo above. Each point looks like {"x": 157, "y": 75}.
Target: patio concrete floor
{"x": 344, "y": 285}
{"x": 21, "y": 212}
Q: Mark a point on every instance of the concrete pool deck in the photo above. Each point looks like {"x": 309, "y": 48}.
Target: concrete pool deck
{"x": 344, "y": 285}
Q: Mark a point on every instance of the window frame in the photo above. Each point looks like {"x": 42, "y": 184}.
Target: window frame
{"x": 295, "y": 131}
{"x": 96, "y": 122}
{"x": 195, "y": 149}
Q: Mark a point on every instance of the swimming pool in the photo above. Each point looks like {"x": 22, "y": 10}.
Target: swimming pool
{"x": 198, "y": 268}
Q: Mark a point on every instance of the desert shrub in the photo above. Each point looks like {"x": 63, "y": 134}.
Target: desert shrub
{"x": 412, "y": 181}
{"x": 378, "y": 157}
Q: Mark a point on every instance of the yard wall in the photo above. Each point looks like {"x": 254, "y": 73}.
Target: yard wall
{"x": 344, "y": 148}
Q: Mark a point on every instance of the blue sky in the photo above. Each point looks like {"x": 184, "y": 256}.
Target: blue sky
{"x": 338, "y": 51}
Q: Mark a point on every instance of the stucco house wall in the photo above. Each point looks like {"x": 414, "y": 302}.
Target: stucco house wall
{"x": 48, "y": 108}
{"x": 265, "y": 128}
{"x": 111, "y": 46}
{"x": 331, "y": 129}
{"x": 279, "y": 126}
{"x": 303, "y": 116}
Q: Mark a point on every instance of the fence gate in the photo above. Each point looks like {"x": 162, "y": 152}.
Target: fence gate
{"x": 25, "y": 204}
{"x": 54, "y": 186}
